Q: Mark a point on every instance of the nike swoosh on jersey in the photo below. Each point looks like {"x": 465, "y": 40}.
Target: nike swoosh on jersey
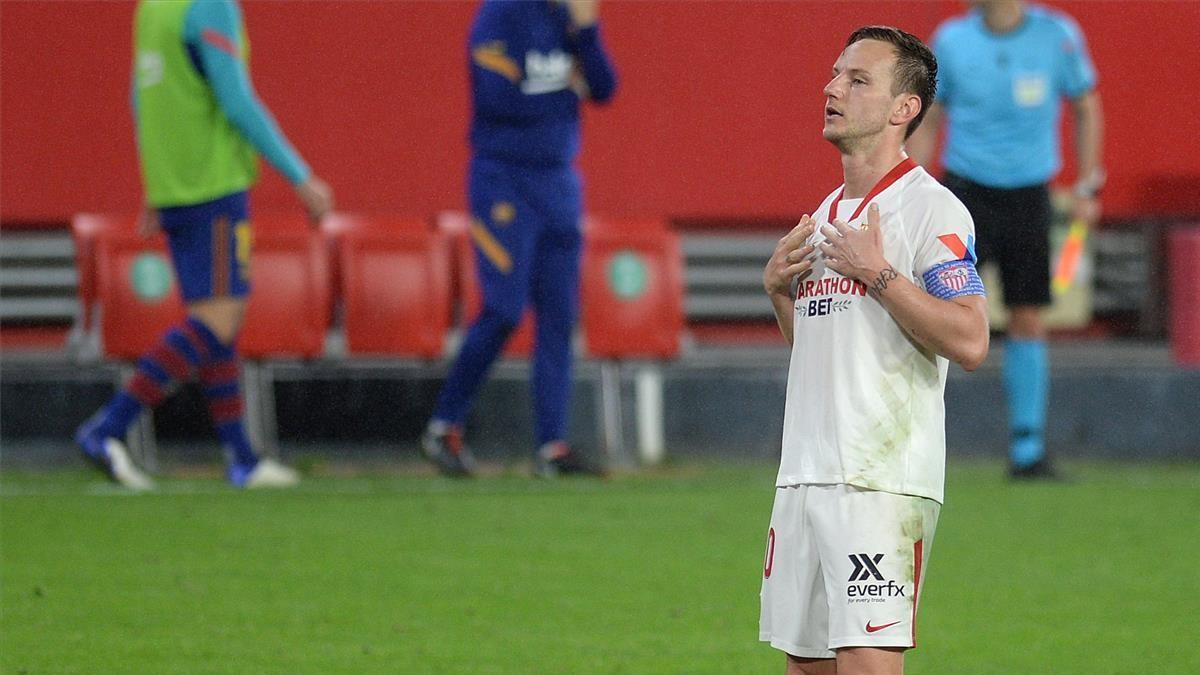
{"x": 873, "y": 629}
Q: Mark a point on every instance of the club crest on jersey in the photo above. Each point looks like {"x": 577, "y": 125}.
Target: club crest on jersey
{"x": 954, "y": 278}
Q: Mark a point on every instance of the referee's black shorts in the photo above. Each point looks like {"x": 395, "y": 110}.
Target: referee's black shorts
{"x": 1012, "y": 229}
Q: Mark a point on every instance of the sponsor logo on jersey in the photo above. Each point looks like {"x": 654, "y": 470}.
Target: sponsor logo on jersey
{"x": 829, "y": 287}
{"x": 867, "y": 583}
{"x": 822, "y": 307}
{"x": 545, "y": 73}
{"x": 876, "y": 629}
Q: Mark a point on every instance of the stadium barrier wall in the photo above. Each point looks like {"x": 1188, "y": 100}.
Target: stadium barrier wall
{"x": 718, "y": 112}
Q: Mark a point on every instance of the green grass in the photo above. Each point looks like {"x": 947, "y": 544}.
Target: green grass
{"x": 642, "y": 574}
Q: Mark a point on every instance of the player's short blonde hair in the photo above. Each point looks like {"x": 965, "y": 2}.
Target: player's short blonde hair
{"x": 916, "y": 67}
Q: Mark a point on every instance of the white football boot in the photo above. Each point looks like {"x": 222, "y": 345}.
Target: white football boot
{"x": 270, "y": 473}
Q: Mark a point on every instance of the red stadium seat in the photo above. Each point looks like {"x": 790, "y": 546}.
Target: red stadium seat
{"x": 520, "y": 343}
{"x": 288, "y": 311}
{"x": 137, "y": 292}
{"x": 334, "y": 228}
{"x": 395, "y": 277}
{"x": 632, "y": 292}
{"x": 86, "y": 228}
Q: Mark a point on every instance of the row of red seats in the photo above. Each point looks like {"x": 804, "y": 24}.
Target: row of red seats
{"x": 398, "y": 280}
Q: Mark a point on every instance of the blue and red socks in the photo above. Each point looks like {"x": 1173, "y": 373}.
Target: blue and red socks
{"x": 180, "y": 352}
{"x": 188, "y": 347}
{"x": 1027, "y": 382}
{"x": 220, "y": 380}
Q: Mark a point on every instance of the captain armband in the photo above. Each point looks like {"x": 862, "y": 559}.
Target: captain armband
{"x": 953, "y": 279}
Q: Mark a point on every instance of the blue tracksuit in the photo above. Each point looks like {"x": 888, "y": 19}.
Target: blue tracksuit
{"x": 528, "y": 65}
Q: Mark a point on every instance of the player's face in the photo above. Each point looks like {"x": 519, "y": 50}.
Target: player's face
{"x": 859, "y": 100}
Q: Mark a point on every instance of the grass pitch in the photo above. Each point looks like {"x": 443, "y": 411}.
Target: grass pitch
{"x": 648, "y": 573}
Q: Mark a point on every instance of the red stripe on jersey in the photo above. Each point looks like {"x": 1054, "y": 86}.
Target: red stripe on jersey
{"x": 897, "y": 172}
{"x": 218, "y": 40}
{"x": 956, "y": 245}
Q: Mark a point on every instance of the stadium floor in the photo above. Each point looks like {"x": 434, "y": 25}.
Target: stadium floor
{"x": 654, "y": 572}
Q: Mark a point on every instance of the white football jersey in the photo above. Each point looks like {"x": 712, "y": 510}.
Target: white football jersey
{"x": 865, "y": 402}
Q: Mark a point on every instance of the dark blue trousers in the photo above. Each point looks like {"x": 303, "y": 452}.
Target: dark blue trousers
{"x": 526, "y": 231}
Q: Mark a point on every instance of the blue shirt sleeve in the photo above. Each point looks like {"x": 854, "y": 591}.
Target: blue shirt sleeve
{"x": 596, "y": 66}
{"x": 212, "y": 30}
{"x": 1076, "y": 75}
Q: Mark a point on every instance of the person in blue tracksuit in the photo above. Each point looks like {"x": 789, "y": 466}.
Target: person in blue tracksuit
{"x": 1005, "y": 69}
{"x": 532, "y": 63}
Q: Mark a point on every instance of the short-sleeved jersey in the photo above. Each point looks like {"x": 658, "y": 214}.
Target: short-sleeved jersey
{"x": 1003, "y": 94}
{"x": 865, "y": 402}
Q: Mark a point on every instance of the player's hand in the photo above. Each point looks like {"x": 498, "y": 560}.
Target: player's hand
{"x": 855, "y": 254}
{"x": 317, "y": 197}
{"x": 583, "y": 13}
{"x": 792, "y": 259}
{"x": 148, "y": 223}
{"x": 1086, "y": 209}
{"x": 579, "y": 84}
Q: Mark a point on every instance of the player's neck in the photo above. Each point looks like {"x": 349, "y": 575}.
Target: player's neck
{"x": 1003, "y": 17}
{"x": 863, "y": 168}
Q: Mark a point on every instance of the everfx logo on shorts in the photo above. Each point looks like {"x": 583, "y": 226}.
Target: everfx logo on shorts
{"x": 866, "y": 569}
{"x": 865, "y": 566}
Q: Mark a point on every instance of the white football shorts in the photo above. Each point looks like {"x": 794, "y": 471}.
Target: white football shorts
{"x": 843, "y": 568}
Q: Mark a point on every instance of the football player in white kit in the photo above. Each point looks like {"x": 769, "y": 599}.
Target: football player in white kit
{"x": 876, "y": 291}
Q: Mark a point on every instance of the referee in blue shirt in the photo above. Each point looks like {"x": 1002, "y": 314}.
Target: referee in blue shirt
{"x": 1004, "y": 69}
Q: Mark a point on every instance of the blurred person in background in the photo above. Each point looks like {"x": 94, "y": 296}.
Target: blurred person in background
{"x": 1005, "y": 68}
{"x": 876, "y": 293}
{"x": 200, "y": 128}
{"x": 532, "y": 63}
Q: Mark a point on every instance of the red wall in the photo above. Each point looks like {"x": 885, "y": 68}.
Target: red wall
{"x": 718, "y": 115}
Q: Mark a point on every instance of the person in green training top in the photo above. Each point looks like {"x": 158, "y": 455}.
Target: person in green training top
{"x": 200, "y": 128}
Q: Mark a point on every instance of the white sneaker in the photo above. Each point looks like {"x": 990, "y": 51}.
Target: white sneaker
{"x": 122, "y": 468}
{"x": 269, "y": 473}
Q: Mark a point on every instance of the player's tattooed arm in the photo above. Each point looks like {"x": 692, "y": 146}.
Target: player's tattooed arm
{"x": 955, "y": 328}
{"x": 880, "y": 284}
